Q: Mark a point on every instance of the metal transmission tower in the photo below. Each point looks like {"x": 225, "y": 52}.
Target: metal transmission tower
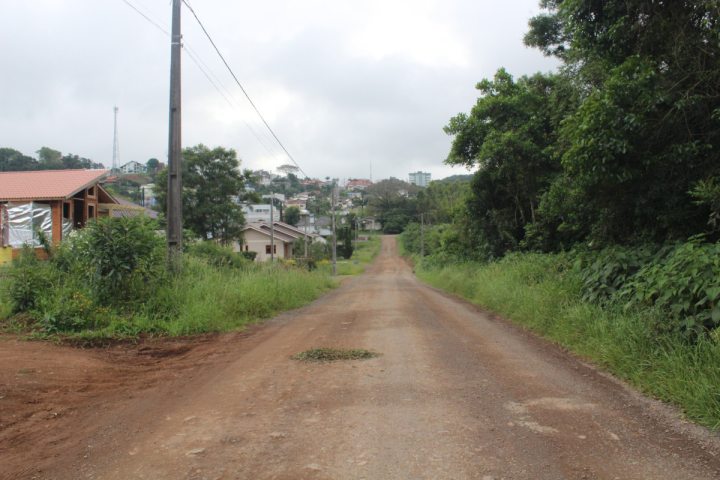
{"x": 116, "y": 144}
{"x": 174, "y": 200}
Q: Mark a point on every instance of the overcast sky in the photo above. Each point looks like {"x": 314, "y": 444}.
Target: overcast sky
{"x": 343, "y": 84}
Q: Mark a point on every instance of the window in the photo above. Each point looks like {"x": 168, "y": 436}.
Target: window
{"x": 66, "y": 210}
{"x": 267, "y": 249}
{"x": 91, "y": 211}
{"x": 91, "y": 192}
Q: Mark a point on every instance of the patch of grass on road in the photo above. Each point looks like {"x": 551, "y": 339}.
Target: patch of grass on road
{"x": 542, "y": 292}
{"x": 334, "y": 354}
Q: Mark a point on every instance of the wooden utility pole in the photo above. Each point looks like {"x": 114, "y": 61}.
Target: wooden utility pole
{"x": 174, "y": 198}
{"x": 422, "y": 234}
{"x": 272, "y": 226}
{"x": 334, "y": 235}
{"x": 307, "y": 218}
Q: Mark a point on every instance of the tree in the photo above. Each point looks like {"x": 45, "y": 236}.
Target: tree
{"x": 287, "y": 169}
{"x": 441, "y": 200}
{"x": 508, "y": 135}
{"x": 345, "y": 249}
{"x": 12, "y": 161}
{"x": 152, "y": 165}
{"x": 212, "y": 183}
{"x": 647, "y": 130}
{"x": 49, "y": 158}
{"x": 71, "y": 161}
{"x": 292, "y": 215}
{"x": 393, "y": 202}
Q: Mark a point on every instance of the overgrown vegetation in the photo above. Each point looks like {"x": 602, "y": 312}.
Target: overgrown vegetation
{"x": 325, "y": 354}
{"x": 108, "y": 281}
{"x": 364, "y": 253}
{"x": 545, "y": 293}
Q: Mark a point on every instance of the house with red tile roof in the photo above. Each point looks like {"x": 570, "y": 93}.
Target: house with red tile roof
{"x": 50, "y": 201}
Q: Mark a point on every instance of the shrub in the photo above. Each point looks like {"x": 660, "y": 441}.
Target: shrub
{"x": 217, "y": 255}
{"x": 68, "y": 310}
{"x": 249, "y": 255}
{"x": 28, "y": 278}
{"x": 684, "y": 283}
{"x": 605, "y": 272}
{"x": 124, "y": 257}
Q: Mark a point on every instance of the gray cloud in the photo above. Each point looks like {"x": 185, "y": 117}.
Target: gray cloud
{"x": 342, "y": 88}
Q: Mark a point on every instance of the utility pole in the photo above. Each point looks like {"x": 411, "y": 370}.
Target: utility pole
{"x": 272, "y": 226}
{"x": 422, "y": 235}
{"x": 116, "y": 144}
{"x": 174, "y": 200}
{"x": 307, "y": 218}
{"x": 334, "y": 235}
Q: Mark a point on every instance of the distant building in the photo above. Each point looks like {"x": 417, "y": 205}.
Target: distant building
{"x": 133, "y": 167}
{"x": 260, "y": 238}
{"x": 259, "y": 213}
{"x": 357, "y": 184}
{"x": 421, "y": 179}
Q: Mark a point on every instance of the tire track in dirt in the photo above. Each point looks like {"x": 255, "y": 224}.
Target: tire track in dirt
{"x": 456, "y": 394}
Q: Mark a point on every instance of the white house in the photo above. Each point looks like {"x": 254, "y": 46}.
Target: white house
{"x": 133, "y": 167}
{"x": 260, "y": 213}
{"x": 257, "y": 237}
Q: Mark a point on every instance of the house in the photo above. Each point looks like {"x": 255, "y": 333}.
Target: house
{"x": 370, "y": 224}
{"x": 357, "y": 184}
{"x": 257, "y": 237}
{"x": 52, "y": 202}
{"x": 259, "y": 213}
{"x": 133, "y": 167}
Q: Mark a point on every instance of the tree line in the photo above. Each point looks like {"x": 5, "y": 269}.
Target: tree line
{"x": 619, "y": 146}
{"x": 12, "y": 160}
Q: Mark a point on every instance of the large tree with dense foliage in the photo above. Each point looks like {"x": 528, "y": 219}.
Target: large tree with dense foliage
{"x": 212, "y": 185}
{"x": 647, "y": 132}
{"x": 12, "y": 160}
{"x": 393, "y": 202}
{"x": 509, "y": 136}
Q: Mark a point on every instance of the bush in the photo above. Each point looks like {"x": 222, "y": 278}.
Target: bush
{"x": 28, "y": 279}
{"x": 69, "y": 309}
{"x": 217, "y": 255}
{"x": 684, "y": 283}
{"x": 542, "y": 292}
{"x": 249, "y": 255}
{"x": 108, "y": 281}
{"x": 605, "y": 272}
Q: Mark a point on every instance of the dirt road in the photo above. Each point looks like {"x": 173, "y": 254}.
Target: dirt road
{"x": 455, "y": 394}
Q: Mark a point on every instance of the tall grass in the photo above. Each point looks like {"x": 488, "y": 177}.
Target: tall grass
{"x": 71, "y": 296}
{"x": 207, "y": 299}
{"x": 543, "y": 293}
{"x": 363, "y": 254}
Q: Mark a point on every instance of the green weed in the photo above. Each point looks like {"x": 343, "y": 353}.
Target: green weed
{"x": 544, "y": 293}
{"x": 334, "y": 354}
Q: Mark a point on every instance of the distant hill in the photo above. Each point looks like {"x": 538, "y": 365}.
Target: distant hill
{"x": 455, "y": 179}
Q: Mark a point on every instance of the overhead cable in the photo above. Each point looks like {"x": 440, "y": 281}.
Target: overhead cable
{"x": 217, "y": 50}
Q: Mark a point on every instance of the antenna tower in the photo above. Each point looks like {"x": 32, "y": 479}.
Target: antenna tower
{"x": 116, "y": 145}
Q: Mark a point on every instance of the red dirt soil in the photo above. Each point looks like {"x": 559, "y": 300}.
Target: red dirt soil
{"x": 455, "y": 394}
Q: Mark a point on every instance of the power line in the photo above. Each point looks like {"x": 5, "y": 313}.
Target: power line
{"x": 197, "y": 62}
{"x": 207, "y": 72}
{"x": 243, "y": 88}
{"x": 153, "y": 22}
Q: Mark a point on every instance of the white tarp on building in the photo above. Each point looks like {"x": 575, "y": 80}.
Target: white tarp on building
{"x": 27, "y": 222}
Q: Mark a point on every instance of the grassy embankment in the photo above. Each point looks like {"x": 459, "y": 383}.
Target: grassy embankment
{"x": 542, "y": 293}
{"x": 217, "y": 291}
